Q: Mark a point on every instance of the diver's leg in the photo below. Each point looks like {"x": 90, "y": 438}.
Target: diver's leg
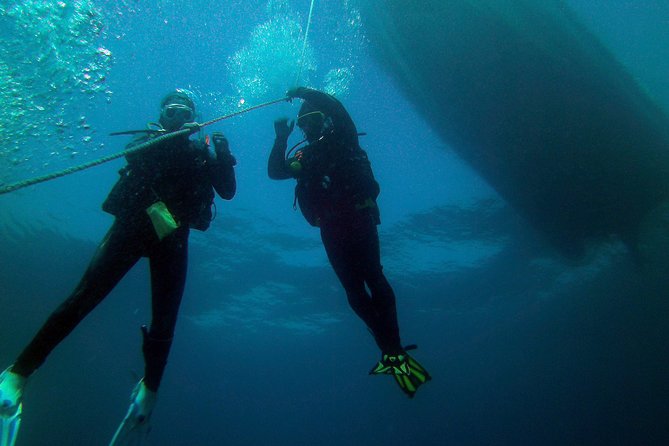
{"x": 383, "y": 297}
{"x": 407, "y": 372}
{"x": 168, "y": 259}
{"x": 117, "y": 253}
{"x": 169, "y": 264}
{"x": 344, "y": 263}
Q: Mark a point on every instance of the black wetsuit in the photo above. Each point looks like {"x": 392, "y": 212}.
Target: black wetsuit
{"x": 337, "y": 192}
{"x": 182, "y": 174}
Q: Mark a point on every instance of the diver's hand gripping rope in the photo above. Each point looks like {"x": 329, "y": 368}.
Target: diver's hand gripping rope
{"x": 21, "y": 184}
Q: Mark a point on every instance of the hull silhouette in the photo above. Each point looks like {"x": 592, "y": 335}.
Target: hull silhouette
{"x": 534, "y": 103}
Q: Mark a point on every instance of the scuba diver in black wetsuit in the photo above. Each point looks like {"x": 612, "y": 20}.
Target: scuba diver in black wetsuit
{"x": 164, "y": 191}
{"x": 337, "y": 192}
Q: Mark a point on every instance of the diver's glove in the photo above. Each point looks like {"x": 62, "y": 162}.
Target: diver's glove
{"x": 283, "y": 128}
{"x": 222, "y": 149}
{"x": 293, "y": 93}
{"x": 193, "y": 127}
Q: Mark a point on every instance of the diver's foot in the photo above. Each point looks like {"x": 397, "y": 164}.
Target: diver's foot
{"x": 11, "y": 407}
{"x": 11, "y": 392}
{"x": 135, "y": 426}
{"x": 143, "y": 401}
{"x": 409, "y": 374}
{"x": 392, "y": 364}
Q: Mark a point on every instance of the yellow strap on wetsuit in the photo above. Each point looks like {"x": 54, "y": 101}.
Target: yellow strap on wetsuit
{"x": 163, "y": 222}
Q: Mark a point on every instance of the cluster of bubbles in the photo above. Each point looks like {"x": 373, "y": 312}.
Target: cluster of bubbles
{"x": 54, "y": 65}
{"x": 270, "y": 61}
{"x": 51, "y": 67}
{"x": 276, "y": 57}
{"x": 337, "y": 80}
{"x": 345, "y": 43}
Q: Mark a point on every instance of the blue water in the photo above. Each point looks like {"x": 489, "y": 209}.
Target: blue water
{"x": 524, "y": 348}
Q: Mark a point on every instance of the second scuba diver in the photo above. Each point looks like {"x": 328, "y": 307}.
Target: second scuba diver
{"x": 164, "y": 191}
{"x": 336, "y": 191}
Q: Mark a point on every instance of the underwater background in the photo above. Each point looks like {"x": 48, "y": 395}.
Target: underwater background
{"x": 524, "y": 346}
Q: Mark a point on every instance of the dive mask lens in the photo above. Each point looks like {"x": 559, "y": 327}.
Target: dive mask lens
{"x": 181, "y": 111}
{"x": 314, "y": 118}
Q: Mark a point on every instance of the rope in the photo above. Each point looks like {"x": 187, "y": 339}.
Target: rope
{"x": 52, "y": 176}
{"x": 304, "y": 44}
{"x": 276, "y": 101}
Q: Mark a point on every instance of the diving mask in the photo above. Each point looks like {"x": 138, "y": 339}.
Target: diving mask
{"x": 182, "y": 111}
{"x": 313, "y": 118}
{"x": 312, "y": 124}
{"x": 173, "y": 116}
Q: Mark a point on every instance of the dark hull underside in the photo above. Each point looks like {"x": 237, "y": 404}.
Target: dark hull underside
{"x": 535, "y": 104}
